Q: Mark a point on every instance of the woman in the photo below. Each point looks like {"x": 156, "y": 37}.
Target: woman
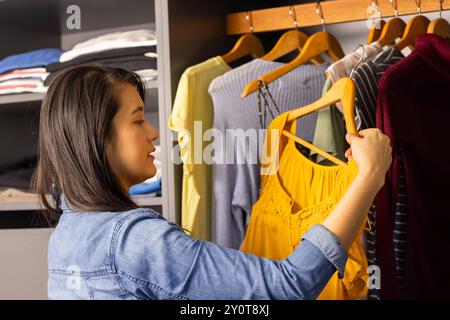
{"x": 94, "y": 143}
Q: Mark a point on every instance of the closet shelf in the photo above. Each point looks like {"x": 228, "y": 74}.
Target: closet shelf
{"x": 29, "y": 97}
{"x": 147, "y": 201}
{"x": 34, "y": 205}
{"x": 151, "y": 84}
{"x": 21, "y": 97}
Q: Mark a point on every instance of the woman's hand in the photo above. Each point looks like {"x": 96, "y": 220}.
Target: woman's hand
{"x": 372, "y": 153}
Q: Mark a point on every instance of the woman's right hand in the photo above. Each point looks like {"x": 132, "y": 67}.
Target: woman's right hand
{"x": 372, "y": 153}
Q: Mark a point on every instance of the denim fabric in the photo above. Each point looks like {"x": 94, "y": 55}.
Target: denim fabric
{"x": 138, "y": 254}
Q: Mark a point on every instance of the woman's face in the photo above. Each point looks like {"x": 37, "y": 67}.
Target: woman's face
{"x": 131, "y": 143}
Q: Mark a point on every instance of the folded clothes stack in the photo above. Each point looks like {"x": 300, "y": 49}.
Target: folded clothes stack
{"x": 18, "y": 176}
{"x": 15, "y": 182}
{"x": 25, "y": 72}
{"x": 130, "y": 50}
{"x": 152, "y": 186}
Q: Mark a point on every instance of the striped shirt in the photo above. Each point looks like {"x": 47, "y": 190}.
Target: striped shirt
{"x": 366, "y": 78}
{"x": 400, "y": 222}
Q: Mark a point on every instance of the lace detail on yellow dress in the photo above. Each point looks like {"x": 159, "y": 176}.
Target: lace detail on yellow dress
{"x": 275, "y": 212}
{"x": 274, "y": 202}
{"x": 277, "y": 202}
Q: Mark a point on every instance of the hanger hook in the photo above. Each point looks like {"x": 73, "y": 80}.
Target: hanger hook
{"x": 394, "y": 5}
{"x": 249, "y": 19}
{"x": 376, "y": 7}
{"x": 419, "y": 9}
{"x": 441, "y": 2}
{"x": 293, "y": 16}
{"x": 363, "y": 54}
{"x": 320, "y": 13}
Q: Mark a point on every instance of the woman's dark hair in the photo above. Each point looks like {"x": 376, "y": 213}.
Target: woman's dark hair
{"x": 75, "y": 124}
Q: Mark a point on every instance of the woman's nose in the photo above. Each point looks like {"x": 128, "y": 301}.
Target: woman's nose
{"x": 152, "y": 133}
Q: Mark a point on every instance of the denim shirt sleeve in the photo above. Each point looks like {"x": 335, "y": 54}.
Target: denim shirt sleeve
{"x": 155, "y": 259}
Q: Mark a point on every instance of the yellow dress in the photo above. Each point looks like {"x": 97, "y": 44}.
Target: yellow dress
{"x": 296, "y": 194}
{"x": 193, "y": 107}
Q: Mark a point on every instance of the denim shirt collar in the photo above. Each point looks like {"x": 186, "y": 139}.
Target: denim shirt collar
{"x": 64, "y": 205}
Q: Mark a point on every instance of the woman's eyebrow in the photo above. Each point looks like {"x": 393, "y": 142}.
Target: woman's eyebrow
{"x": 138, "y": 109}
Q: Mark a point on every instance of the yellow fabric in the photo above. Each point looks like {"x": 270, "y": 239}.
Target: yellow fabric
{"x": 296, "y": 194}
{"x": 193, "y": 103}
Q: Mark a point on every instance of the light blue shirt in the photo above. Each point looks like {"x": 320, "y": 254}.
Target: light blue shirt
{"x": 138, "y": 254}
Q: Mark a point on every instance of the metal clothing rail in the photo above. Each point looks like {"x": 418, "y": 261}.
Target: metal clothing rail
{"x": 337, "y": 11}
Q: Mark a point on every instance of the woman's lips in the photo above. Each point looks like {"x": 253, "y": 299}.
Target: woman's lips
{"x": 150, "y": 153}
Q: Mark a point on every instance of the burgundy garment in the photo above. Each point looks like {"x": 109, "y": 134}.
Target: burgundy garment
{"x": 413, "y": 110}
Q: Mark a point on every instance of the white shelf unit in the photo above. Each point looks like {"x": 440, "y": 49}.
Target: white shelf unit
{"x": 133, "y": 15}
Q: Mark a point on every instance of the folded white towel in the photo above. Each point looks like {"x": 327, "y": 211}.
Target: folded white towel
{"x": 114, "y": 40}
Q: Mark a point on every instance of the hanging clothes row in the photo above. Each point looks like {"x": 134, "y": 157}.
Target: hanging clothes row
{"x": 228, "y": 190}
{"x": 236, "y": 184}
{"x": 264, "y": 209}
{"x": 33, "y": 71}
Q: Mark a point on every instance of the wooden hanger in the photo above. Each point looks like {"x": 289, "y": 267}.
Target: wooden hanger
{"x": 439, "y": 26}
{"x": 392, "y": 30}
{"x": 343, "y": 90}
{"x": 415, "y": 27}
{"x": 318, "y": 43}
{"x": 375, "y": 32}
{"x": 289, "y": 41}
{"x": 377, "y": 27}
{"x": 247, "y": 45}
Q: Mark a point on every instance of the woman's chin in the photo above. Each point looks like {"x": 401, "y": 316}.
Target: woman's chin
{"x": 152, "y": 171}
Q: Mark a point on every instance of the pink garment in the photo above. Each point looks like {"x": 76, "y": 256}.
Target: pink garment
{"x": 344, "y": 67}
{"x": 24, "y": 73}
{"x": 22, "y": 85}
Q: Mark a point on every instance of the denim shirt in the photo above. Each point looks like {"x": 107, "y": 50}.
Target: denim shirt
{"x": 138, "y": 254}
